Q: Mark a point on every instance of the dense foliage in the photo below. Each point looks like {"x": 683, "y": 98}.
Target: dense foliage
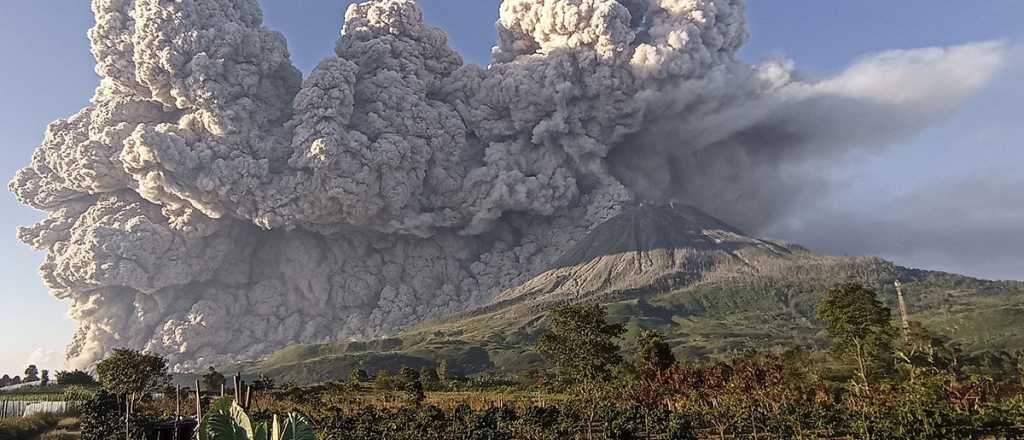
{"x": 581, "y": 343}
{"x": 76, "y": 377}
{"x": 26, "y": 427}
{"x": 102, "y": 418}
{"x": 860, "y": 327}
{"x": 213, "y": 379}
{"x": 132, "y": 375}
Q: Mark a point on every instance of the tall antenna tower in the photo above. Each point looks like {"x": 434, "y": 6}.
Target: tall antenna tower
{"x": 904, "y": 316}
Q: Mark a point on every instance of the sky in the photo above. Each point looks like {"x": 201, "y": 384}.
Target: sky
{"x": 949, "y": 200}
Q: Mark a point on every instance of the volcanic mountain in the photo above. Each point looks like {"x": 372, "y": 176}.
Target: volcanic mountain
{"x": 647, "y": 249}
{"x": 708, "y": 286}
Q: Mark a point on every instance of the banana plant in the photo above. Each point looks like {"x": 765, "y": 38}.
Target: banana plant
{"x": 226, "y": 420}
{"x": 296, "y": 427}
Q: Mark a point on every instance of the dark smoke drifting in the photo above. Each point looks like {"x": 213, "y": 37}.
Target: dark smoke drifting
{"x": 211, "y": 204}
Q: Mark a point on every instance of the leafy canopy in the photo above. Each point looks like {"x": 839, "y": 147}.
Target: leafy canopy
{"x": 858, "y": 324}
{"x": 653, "y": 355}
{"x": 31, "y": 374}
{"x": 581, "y": 343}
{"x": 76, "y": 377}
{"x": 131, "y": 373}
{"x": 213, "y": 379}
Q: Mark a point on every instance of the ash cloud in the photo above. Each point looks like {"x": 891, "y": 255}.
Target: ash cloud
{"x": 211, "y": 204}
{"x": 971, "y": 223}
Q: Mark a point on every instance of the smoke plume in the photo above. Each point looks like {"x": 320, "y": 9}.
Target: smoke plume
{"x": 211, "y": 204}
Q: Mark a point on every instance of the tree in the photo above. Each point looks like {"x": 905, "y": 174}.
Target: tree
{"x": 5, "y": 381}
{"x": 213, "y": 379}
{"x": 443, "y": 372}
{"x": 358, "y": 376}
{"x": 44, "y": 378}
{"x": 101, "y": 419}
{"x": 653, "y": 355}
{"x": 409, "y": 381}
{"x": 31, "y": 374}
{"x": 383, "y": 381}
{"x": 77, "y": 377}
{"x": 1020, "y": 366}
{"x": 431, "y": 381}
{"x": 263, "y": 383}
{"x": 407, "y": 375}
{"x": 581, "y": 344}
{"x": 859, "y": 326}
{"x": 132, "y": 376}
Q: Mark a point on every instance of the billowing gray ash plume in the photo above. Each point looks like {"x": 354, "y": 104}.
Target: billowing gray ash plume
{"x": 211, "y": 204}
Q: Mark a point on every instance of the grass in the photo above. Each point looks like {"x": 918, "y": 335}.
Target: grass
{"x": 27, "y": 427}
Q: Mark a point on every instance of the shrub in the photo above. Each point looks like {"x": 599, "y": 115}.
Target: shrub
{"x": 102, "y": 418}
{"x": 77, "y": 377}
{"x": 60, "y": 435}
{"x": 27, "y": 427}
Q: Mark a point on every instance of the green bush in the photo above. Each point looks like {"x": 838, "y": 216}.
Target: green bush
{"x": 27, "y": 427}
{"x": 102, "y": 418}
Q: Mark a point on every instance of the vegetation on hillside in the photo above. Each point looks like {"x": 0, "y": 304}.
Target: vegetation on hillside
{"x": 874, "y": 382}
{"x": 713, "y": 319}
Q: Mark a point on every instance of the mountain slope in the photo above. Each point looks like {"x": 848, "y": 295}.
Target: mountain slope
{"x": 709, "y": 287}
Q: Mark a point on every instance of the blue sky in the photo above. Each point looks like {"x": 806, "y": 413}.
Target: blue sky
{"x": 967, "y": 163}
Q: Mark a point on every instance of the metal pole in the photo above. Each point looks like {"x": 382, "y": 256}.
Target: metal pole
{"x": 177, "y": 409}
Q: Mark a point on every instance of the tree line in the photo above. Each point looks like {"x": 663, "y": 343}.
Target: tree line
{"x": 33, "y": 375}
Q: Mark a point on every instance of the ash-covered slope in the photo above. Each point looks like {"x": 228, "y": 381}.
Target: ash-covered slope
{"x": 648, "y": 247}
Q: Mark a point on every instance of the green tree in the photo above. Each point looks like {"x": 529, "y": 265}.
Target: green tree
{"x": 1020, "y": 367}
{"x": 414, "y": 389}
{"x": 31, "y": 374}
{"x": 410, "y": 383}
{"x": 443, "y": 372}
{"x": 384, "y": 381}
{"x": 76, "y": 377}
{"x": 431, "y": 380}
{"x": 101, "y": 418}
{"x": 263, "y": 383}
{"x": 581, "y": 343}
{"x": 213, "y": 379}
{"x": 653, "y": 355}
{"x": 132, "y": 376}
{"x": 407, "y": 375}
{"x": 44, "y": 377}
{"x": 358, "y": 376}
{"x": 859, "y": 326}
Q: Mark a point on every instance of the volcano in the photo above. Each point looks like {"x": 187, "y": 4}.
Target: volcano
{"x": 709, "y": 287}
{"x": 649, "y": 248}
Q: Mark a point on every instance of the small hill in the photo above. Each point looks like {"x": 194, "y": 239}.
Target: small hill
{"x": 712, "y": 289}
